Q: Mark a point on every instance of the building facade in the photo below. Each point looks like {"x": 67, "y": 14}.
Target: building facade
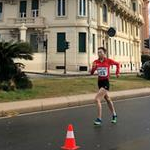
{"x": 145, "y": 27}
{"x": 84, "y": 23}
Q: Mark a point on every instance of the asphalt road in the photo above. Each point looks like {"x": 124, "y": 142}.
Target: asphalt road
{"x": 47, "y": 131}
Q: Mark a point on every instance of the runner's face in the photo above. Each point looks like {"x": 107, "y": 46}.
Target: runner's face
{"x": 101, "y": 53}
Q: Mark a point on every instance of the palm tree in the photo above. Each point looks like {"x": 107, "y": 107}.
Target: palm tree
{"x": 8, "y": 52}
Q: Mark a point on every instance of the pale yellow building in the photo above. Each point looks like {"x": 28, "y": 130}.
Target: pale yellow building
{"x": 145, "y": 27}
{"x": 84, "y": 23}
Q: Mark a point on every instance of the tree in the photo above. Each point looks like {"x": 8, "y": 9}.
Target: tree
{"x": 10, "y": 72}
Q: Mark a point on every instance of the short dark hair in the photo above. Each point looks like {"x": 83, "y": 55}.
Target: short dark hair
{"x": 104, "y": 49}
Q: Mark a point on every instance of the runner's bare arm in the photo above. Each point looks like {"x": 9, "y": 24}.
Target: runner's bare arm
{"x": 112, "y": 62}
{"x": 94, "y": 67}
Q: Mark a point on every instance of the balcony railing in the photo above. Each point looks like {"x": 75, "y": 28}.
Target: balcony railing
{"x": 22, "y": 15}
{"x": 35, "y": 13}
{"x": 29, "y": 21}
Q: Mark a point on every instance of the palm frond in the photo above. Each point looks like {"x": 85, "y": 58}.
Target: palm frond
{"x": 21, "y": 50}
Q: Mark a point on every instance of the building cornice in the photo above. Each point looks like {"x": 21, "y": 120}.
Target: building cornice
{"x": 12, "y": 2}
{"x": 124, "y": 11}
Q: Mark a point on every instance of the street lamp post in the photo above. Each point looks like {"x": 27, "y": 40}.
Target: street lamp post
{"x": 66, "y": 46}
{"x": 65, "y": 67}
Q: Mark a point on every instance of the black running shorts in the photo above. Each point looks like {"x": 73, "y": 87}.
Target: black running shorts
{"x": 104, "y": 84}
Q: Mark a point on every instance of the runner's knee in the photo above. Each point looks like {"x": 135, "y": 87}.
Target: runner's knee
{"x": 107, "y": 98}
{"x": 102, "y": 90}
{"x": 98, "y": 99}
{"x": 100, "y": 95}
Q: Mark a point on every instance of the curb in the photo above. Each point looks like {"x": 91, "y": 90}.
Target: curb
{"x": 11, "y": 109}
{"x": 72, "y": 74}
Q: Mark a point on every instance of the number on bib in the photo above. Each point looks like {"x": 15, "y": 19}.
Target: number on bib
{"x": 102, "y": 71}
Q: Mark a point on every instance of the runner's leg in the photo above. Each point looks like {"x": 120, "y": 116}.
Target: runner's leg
{"x": 98, "y": 99}
{"x": 110, "y": 104}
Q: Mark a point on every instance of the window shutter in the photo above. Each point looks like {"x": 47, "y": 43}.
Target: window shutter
{"x": 23, "y": 6}
{"x": 1, "y": 7}
{"x": 60, "y": 42}
{"x": 35, "y": 4}
{"x": 82, "y": 42}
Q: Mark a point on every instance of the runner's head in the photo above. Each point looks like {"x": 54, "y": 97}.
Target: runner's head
{"x": 101, "y": 52}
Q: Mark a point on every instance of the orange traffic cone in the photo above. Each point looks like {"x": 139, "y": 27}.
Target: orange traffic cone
{"x": 70, "y": 143}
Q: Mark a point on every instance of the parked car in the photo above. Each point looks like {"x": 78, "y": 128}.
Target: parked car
{"x": 146, "y": 69}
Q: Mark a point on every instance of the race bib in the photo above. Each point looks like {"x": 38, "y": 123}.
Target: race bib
{"x": 102, "y": 71}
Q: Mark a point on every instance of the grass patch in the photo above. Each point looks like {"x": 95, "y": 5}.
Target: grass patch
{"x": 55, "y": 87}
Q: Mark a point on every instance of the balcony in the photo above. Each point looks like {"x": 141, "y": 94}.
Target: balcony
{"x": 31, "y": 22}
{"x": 35, "y": 13}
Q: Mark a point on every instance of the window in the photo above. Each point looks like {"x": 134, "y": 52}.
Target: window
{"x": 126, "y": 27}
{"x": 82, "y": 42}
{"x": 123, "y": 48}
{"x": 131, "y": 53}
{"x": 107, "y": 47}
{"x": 93, "y": 43}
{"x": 119, "y": 48}
{"x": 131, "y": 29}
{"x": 140, "y": 9}
{"x": 35, "y": 8}
{"x": 104, "y": 13}
{"x": 60, "y": 41}
{"x": 119, "y": 23}
{"x": 33, "y": 42}
{"x": 122, "y": 25}
{"x": 103, "y": 43}
{"x": 110, "y": 47}
{"x": 61, "y": 7}
{"x": 115, "y": 47}
{"x": 82, "y": 7}
{"x": 134, "y": 6}
{"x": 127, "y": 49}
{"x": 1, "y": 10}
{"x": 23, "y": 8}
{"x": 137, "y": 31}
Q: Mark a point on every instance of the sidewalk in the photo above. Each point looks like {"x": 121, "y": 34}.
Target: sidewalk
{"x": 60, "y": 73}
{"x": 14, "y": 108}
